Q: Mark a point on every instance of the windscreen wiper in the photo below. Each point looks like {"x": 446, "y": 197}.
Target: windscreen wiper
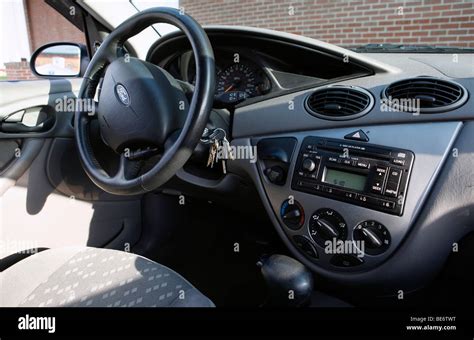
{"x": 399, "y": 48}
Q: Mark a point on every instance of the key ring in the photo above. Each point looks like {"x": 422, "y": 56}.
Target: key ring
{"x": 212, "y": 136}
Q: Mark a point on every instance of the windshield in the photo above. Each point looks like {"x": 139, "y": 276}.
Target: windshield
{"x": 363, "y": 25}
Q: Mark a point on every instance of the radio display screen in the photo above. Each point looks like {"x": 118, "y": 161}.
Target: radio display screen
{"x": 344, "y": 179}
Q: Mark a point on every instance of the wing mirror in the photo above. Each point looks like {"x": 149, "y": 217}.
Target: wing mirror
{"x": 58, "y": 60}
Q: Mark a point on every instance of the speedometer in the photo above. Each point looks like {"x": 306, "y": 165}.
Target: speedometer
{"x": 237, "y": 78}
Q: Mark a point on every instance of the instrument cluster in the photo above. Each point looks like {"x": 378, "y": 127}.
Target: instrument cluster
{"x": 238, "y": 77}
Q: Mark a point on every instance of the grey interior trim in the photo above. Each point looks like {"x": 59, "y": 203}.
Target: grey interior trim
{"x": 28, "y": 152}
{"x": 436, "y": 142}
{"x": 41, "y": 216}
{"x": 443, "y": 63}
{"x": 66, "y": 175}
{"x": 17, "y": 96}
{"x": 278, "y": 116}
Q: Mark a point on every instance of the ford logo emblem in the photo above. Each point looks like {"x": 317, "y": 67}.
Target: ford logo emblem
{"x": 122, "y": 94}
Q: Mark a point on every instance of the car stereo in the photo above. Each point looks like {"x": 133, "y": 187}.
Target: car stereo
{"x": 372, "y": 176}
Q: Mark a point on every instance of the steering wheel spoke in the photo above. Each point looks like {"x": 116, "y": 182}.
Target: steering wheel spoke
{"x": 127, "y": 169}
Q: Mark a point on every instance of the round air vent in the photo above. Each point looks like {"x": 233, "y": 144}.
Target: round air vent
{"x": 337, "y": 102}
{"x": 424, "y": 95}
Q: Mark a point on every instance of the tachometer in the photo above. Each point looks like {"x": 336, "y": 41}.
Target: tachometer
{"x": 238, "y": 78}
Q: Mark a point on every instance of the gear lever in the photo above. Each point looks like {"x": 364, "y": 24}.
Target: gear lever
{"x": 289, "y": 282}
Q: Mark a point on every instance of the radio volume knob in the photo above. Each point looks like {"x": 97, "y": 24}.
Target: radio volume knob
{"x": 308, "y": 165}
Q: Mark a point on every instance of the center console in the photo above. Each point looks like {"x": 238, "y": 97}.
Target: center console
{"x": 343, "y": 205}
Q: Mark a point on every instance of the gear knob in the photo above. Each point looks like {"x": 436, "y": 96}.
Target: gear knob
{"x": 289, "y": 282}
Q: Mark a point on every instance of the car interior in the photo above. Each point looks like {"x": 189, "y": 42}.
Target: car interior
{"x": 234, "y": 166}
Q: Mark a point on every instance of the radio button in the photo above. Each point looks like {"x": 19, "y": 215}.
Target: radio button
{"x": 372, "y": 201}
{"x": 380, "y": 173}
{"x": 394, "y": 175}
{"x": 393, "y": 182}
{"x": 401, "y": 155}
{"x": 329, "y": 190}
{"x": 391, "y": 189}
{"x": 350, "y": 195}
{"x": 377, "y": 187}
{"x": 334, "y": 191}
{"x": 308, "y": 185}
{"x": 398, "y": 161}
{"x": 387, "y": 204}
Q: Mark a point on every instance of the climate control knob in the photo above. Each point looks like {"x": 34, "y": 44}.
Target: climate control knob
{"x": 308, "y": 165}
{"x": 326, "y": 225}
{"x": 375, "y": 236}
{"x": 292, "y": 214}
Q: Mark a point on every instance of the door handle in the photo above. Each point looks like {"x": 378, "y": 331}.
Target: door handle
{"x": 37, "y": 119}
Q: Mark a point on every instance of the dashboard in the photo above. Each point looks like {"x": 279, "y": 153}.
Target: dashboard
{"x": 339, "y": 158}
{"x": 239, "y": 76}
{"x": 251, "y": 69}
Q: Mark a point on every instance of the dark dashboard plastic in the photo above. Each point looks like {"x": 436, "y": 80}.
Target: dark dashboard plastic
{"x": 273, "y": 56}
{"x": 430, "y": 233}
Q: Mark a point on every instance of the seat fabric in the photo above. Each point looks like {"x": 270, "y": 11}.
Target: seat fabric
{"x": 93, "y": 277}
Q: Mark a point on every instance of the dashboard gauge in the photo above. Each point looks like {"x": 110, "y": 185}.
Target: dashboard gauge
{"x": 238, "y": 78}
{"x": 235, "y": 82}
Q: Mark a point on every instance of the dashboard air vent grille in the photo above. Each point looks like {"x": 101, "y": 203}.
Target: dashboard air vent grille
{"x": 339, "y": 102}
{"x": 424, "y": 95}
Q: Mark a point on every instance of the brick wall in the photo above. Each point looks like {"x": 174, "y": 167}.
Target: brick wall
{"x": 44, "y": 25}
{"x": 348, "y": 22}
{"x": 18, "y": 70}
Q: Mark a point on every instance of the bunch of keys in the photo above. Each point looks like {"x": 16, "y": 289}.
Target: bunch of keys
{"x": 219, "y": 148}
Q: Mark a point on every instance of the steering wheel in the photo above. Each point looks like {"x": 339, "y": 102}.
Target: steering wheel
{"x": 141, "y": 105}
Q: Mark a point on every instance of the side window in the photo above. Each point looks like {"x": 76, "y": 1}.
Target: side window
{"x": 26, "y": 25}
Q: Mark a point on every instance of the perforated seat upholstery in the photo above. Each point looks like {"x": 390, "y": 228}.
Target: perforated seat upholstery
{"x": 92, "y": 277}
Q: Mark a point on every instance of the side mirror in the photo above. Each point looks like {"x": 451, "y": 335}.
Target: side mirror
{"x": 57, "y": 60}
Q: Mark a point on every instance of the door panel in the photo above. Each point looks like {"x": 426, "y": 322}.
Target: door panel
{"x": 46, "y": 199}
{"x": 49, "y": 95}
{"x": 8, "y": 149}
